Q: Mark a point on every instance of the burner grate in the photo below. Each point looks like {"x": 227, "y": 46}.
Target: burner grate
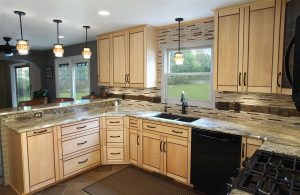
{"x": 269, "y": 173}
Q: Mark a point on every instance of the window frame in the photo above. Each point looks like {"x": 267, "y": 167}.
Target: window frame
{"x": 166, "y": 67}
{"x": 72, "y": 60}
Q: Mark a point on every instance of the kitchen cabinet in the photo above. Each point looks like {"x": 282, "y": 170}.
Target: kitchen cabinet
{"x": 249, "y": 146}
{"x": 32, "y": 159}
{"x": 115, "y": 140}
{"x": 120, "y": 51}
{"x": 132, "y": 57}
{"x": 247, "y": 47}
{"x": 104, "y": 60}
{"x": 79, "y": 147}
{"x": 134, "y": 142}
{"x": 166, "y": 150}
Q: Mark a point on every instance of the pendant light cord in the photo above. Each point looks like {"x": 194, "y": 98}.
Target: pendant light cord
{"x": 57, "y": 33}
{"x": 179, "y": 37}
{"x": 21, "y": 26}
{"x": 86, "y": 37}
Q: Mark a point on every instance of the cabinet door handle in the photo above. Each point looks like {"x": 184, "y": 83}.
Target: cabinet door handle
{"x": 160, "y": 146}
{"x": 240, "y": 75}
{"x": 80, "y": 162}
{"x": 128, "y": 78}
{"x": 117, "y": 153}
{"x": 114, "y": 122}
{"x": 151, "y": 127}
{"x": 278, "y": 76}
{"x": 165, "y": 146}
{"x": 177, "y": 131}
{"x": 78, "y": 144}
{"x": 114, "y": 136}
{"x": 38, "y": 132}
{"x": 245, "y": 75}
{"x": 82, "y": 127}
{"x": 137, "y": 140}
{"x": 243, "y": 150}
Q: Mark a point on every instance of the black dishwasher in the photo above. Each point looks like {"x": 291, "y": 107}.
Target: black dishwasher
{"x": 215, "y": 158}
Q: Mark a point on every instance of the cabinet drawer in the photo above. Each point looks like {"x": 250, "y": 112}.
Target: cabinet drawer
{"x": 172, "y": 130}
{"x": 77, "y": 127}
{"x": 114, "y": 137}
{"x": 115, "y": 153}
{"x": 113, "y": 121}
{"x": 80, "y": 143}
{"x": 81, "y": 162}
{"x": 133, "y": 123}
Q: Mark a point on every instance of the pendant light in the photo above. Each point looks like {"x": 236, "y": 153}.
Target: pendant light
{"x": 86, "y": 53}
{"x": 58, "y": 49}
{"x": 178, "y": 58}
{"x": 22, "y": 45}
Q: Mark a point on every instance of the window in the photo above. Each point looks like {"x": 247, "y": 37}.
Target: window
{"x": 72, "y": 77}
{"x": 194, "y": 77}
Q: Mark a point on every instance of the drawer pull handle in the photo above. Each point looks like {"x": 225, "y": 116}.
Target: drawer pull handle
{"x": 82, "y": 143}
{"x": 38, "y": 132}
{"x": 151, "y": 127}
{"x": 117, "y": 153}
{"x": 132, "y": 123}
{"x": 177, "y": 131}
{"x": 114, "y": 136}
{"x": 80, "y": 162}
{"x": 114, "y": 122}
{"x": 81, "y": 127}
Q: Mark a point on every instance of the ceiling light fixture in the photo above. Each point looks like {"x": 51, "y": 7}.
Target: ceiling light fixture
{"x": 86, "y": 51}
{"x": 58, "y": 49}
{"x": 178, "y": 58}
{"x": 22, "y": 45}
{"x": 104, "y": 13}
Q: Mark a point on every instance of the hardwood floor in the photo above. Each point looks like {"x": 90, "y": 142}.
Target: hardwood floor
{"x": 74, "y": 185}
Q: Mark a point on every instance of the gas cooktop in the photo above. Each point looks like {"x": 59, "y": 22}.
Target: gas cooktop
{"x": 269, "y": 173}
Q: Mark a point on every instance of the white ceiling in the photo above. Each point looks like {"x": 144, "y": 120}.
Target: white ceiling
{"x": 39, "y": 29}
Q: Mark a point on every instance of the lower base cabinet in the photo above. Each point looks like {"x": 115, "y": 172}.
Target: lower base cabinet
{"x": 167, "y": 154}
{"x": 31, "y": 160}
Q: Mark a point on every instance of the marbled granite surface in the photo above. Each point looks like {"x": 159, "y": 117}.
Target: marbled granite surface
{"x": 280, "y": 136}
{"x": 18, "y": 110}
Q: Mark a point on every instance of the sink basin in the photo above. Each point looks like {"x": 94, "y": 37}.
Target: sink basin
{"x": 175, "y": 117}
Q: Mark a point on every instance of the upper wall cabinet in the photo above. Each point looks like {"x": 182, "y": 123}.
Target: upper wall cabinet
{"x": 247, "y": 47}
{"x": 127, "y": 58}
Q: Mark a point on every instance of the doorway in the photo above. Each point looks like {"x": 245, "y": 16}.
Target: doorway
{"x": 20, "y": 82}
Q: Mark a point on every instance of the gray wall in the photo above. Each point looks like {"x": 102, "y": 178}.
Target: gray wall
{"x": 73, "y": 50}
{"x": 35, "y": 57}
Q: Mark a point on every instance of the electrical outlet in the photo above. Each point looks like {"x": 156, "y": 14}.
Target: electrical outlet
{"x": 38, "y": 115}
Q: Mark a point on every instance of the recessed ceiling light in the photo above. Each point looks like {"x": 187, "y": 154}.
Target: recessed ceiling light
{"x": 61, "y": 36}
{"x": 104, "y": 13}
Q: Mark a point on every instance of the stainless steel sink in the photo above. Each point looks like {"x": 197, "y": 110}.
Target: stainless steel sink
{"x": 175, "y": 117}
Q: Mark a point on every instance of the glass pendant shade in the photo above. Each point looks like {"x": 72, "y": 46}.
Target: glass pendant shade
{"x": 178, "y": 58}
{"x": 22, "y": 47}
{"x": 58, "y": 50}
{"x": 86, "y": 53}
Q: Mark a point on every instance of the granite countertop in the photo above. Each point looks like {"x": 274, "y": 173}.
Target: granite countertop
{"x": 277, "y": 137}
{"x": 41, "y": 107}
